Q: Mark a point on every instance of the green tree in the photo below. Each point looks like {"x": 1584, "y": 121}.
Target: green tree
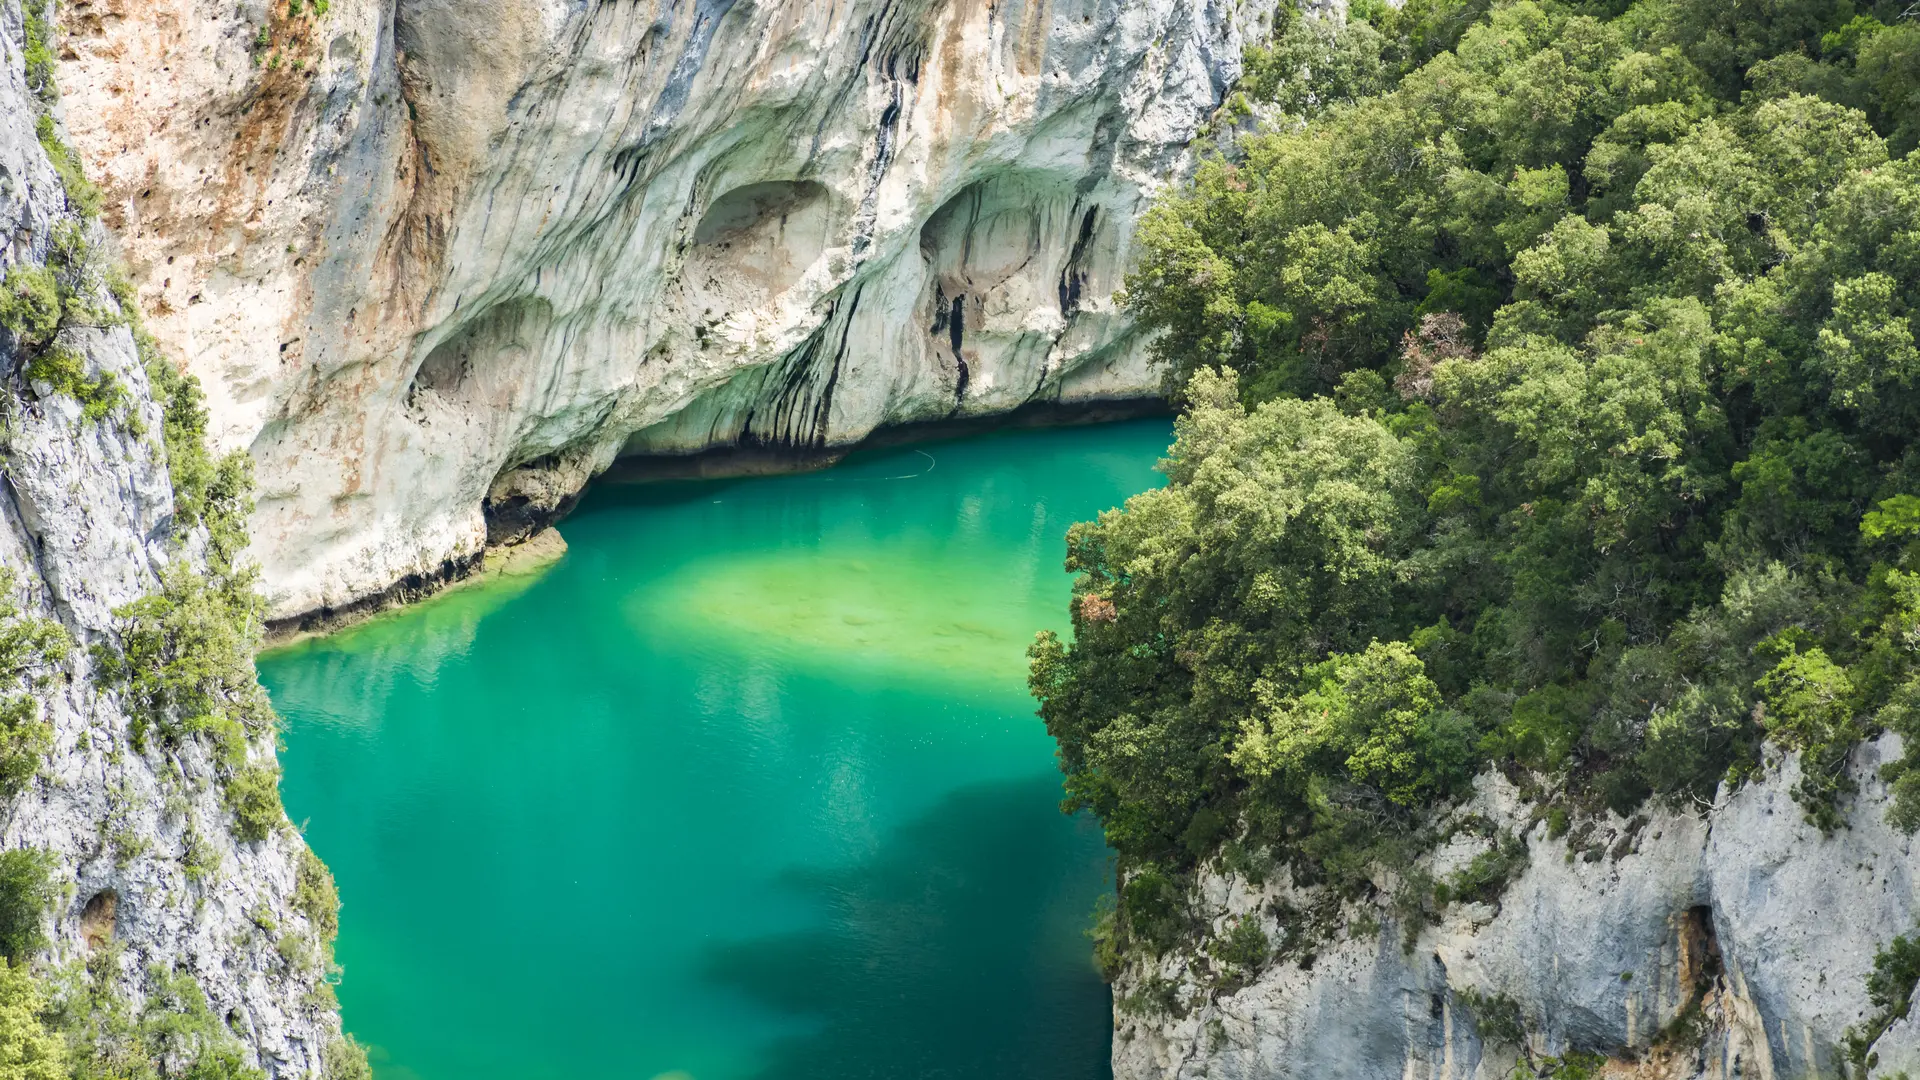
{"x": 1549, "y": 385}
{"x": 28, "y": 1050}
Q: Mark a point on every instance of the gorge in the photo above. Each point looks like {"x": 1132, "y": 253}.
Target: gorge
{"x": 439, "y": 263}
{"x": 745, "y": 786}
{"x": 1515, "y": 675}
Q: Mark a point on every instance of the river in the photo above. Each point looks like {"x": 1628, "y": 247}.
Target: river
{"x": 746, "y": 786}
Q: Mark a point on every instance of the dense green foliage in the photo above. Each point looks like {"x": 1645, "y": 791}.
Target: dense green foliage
{"x": 28, "y": 1050}
{"x": 64, "y": 372}
{"x": 31, "y": 649}
{"x": 39, "y": 52}
{"x": 76, "y": 1027}
{"x": 173, "y": 1035}
{"x": 316, "y": 897}
{"x": 253, "y": 795}
{"x": 40, "y": 303}
{"x": 346, "y": 1059}
{"x": 26, "y": 888}
{"x": 184, "y": 661}
{"x": 82, "y": 196}
{"x": 1549, "y": 372}
{"x": 30, "y": 305}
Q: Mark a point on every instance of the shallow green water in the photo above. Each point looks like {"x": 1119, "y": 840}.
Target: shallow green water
{"x": 747, "y": 786}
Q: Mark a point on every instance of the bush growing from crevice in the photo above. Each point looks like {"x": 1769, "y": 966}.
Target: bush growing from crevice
{"x": 184, "y": 662}
{"x": 1243, "y": 948}
{"x": 26, "y": 889}
{"x": 1890, "y": 986}
{"x": 205, "y": 489}
{"x": 64, "y": 372}
{"x": 1496, "y": 1017}
{"x": 1156, "y": 996}
{"x": 1570, "y": 1066}
{"x": 1486, "y": 875}
{"x": 31, "y": 649}
{"x": 198, "y": 857}
{"x": 82, "y": 196}
{"x": 30, "y": 306}
{"x": 316, "y": 897}
{"x": 253, "y": 796}
{"x": 1157, "y": 915}
{"x": 346, "y": 1059}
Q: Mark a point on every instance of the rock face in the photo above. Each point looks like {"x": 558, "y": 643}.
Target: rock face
{"x": 1599, "y": 945}
{"x": 84, "y": 528}
{"x": 433, "y": 256}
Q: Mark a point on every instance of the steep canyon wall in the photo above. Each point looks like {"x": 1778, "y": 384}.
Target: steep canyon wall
{"x": 177, "y": 926}
{"x": 433, "y": 257}
{"x": 1720, "y": 942}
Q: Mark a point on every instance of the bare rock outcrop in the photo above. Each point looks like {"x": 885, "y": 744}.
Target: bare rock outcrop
{"x": 425, "y": 252}
{"x": 1731, "y": 941}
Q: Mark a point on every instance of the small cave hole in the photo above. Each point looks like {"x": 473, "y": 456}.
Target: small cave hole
{"x": 446, "y": 367}
{"x": 1699, "y": 949}
{"x": 96, "y": 918}
{"x": 757, "y": 241}
{"x": 489, "y": 346}
{"x": 744, "y": 208}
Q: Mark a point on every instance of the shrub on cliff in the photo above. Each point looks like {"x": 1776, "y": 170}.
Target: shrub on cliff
{"x": 82, "y": 197}
{"x": 253, "y": 795}
{"x": 1549, "y": 391}
{"x": 1890, "y": 986}
{"x": 29, "y": 306}
{"x": 171, "y": 1035}
{"x": 31, "y": 650}
{"x": 26, "y": 888}
{"x": 28, "y": 1050}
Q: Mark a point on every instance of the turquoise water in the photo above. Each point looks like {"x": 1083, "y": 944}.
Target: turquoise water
{"x": 746, "y": 786}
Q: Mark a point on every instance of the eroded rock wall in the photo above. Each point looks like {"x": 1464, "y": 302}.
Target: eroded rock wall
{"x": 431, "y": 252}
{"x": 1763, "y": 925}
{"x": 86, "y": 514}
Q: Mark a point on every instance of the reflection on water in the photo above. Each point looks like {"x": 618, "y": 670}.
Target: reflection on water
{"x": 747, "y": 786}
{"x": 944, "y": 611}
{"x": 891, "y": 982}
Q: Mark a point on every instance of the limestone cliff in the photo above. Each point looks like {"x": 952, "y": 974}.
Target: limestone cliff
{"x": 434, "y": 257}
{"x": 1727, "y": 941}
{"x": 161, "y": 913}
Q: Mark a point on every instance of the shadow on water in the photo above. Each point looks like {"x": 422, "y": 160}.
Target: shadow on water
{"x": 961, "y": 924}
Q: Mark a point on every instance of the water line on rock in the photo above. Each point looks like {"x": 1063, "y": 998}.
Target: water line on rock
{"x": 932, "y": 463}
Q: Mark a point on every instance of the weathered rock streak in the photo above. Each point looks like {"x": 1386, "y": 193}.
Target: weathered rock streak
{"x": 1606, "y": 936}
{"x": 434, "y": 256}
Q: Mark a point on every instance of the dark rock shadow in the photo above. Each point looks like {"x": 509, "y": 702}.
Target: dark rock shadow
{"x": 955, "y": 952}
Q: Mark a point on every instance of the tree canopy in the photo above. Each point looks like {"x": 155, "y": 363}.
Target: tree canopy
{"x": 1548, "y": 371}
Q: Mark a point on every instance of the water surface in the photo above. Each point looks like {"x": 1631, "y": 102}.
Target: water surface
{"x": 747, "y": 786}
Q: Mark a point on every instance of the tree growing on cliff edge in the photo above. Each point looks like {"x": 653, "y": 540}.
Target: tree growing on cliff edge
{"x": 1549, "y": 387}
